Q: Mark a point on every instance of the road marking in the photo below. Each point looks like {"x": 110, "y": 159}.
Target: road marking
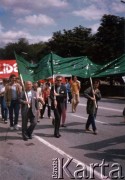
{"x": 100, "y": 107}
{"x": 87, "y": 118}
{"x": 61, "y": 152}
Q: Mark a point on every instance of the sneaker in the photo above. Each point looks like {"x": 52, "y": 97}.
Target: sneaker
{"x": 25, "y": 137}
{"x": 16, "y": 127}
{"x": 30, "y": 136}
{"x": 63, "y": 125}
{"x": 11, "y": 128}
{"x": 95, "y": 132}
{"x": 5, "y": 121}
{"x": 88, "y": 130}
{"x": 50, "y": 117}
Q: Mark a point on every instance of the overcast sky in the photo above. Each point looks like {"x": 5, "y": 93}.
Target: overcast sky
{"x": 36, "y": 20}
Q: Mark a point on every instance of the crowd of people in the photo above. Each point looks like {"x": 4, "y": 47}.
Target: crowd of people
{"x": 32, "y": 99}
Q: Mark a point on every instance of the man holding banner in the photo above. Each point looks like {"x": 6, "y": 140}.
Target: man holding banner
{"x": 93, "y": 96}
{"x": 29, "y": 110}
{"x": 58, "y": 95}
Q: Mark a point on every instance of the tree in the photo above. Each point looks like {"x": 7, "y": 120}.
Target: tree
{"x": 38, "y": 50}
{"x": 109, "y": 40}
{"x": 19, "y": 47}
{"x": 71, "y": 42}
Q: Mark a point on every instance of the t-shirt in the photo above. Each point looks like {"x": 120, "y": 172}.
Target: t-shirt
{"x": 14, "y": 93}
{"x": 75, "y": 87}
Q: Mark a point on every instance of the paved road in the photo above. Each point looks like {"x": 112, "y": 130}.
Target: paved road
{"x": 76, "y": 153}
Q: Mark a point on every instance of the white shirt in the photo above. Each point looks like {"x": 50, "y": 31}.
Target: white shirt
{"x": 2, "y": 89}
{"x": 29, "y": 95}
{"x": 14, "y": 93}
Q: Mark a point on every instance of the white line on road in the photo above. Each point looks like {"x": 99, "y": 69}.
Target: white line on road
{"x": 109, "y": 109}
{"x": 87, "y": 118}
{"x": 61, "y": 152}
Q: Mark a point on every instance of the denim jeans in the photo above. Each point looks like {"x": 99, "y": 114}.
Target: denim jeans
{"x": 91, "y": 121}
{"x": 4, "y": 109}
{"x": 14, "y": 109}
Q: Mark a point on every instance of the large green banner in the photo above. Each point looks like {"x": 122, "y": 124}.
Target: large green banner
{"x": 79, "y": 66}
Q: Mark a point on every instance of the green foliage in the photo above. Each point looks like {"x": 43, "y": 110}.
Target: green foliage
{"x": 71, "y": 42}
{"x": 107, "y": 44}
{"x": 110, "y": 38}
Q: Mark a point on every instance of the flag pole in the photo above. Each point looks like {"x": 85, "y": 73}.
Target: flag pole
{"x": 24, "y": 89}
{"x": 53, "y": 77}
{"x": 91, "y": 83}
{"x": 22, "y": 82}
{"x": 93, "y": 91}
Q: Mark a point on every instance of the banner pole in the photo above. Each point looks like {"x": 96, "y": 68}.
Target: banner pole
{"x": 91, "y": 83}
{"x": 93, "y": 91}
{"x": 53, "y": 75}
{"x": 52, "y": 70}
{"x": 24, "y": 89}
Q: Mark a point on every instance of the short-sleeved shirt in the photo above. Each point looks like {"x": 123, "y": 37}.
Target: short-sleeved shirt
{"x": 75, "y": 87}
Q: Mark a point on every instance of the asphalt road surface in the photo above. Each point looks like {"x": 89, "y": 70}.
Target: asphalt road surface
{"x": 76, "y": 154}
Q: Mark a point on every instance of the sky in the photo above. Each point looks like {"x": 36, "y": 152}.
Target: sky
{"x": 37, "y": 20}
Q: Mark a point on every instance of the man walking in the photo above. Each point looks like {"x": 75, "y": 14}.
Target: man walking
{"x": 29, "y": 110}
{"x": 12, "y": 95}
{"x": 93, "y": 97}
{"x": 58, "y": 96}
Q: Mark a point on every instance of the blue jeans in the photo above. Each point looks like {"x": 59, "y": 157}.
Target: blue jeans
{"x": 14, "y": 108}
{"x": 4, "y": 109}
{"x": 91, "y": 121}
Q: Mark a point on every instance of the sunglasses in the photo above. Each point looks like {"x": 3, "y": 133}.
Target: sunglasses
{"x": 59, "y": 80}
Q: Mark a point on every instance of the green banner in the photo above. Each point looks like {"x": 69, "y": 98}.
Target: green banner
{"x": 114, "y": 67}
{"x": 78, "y": 66}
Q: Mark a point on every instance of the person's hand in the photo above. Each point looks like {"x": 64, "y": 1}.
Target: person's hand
{"x": 93, "y": 98}
{"x": 96, "y": 91}
{"x": 26, "y": 102}
{"x": 40, "y": 99}
{"x": 93, "y": 92}
{"x": 56, "y": 94}
{"x": 55, "y": 103}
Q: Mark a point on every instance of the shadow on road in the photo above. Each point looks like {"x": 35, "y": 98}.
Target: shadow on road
{"x": 110, "y": 154}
